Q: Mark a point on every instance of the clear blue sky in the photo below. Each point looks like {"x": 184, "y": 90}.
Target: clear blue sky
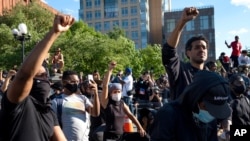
{"x": 232, "y": 17}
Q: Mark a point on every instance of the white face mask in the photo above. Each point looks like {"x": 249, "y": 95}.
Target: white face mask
{"x": 116, "y": 97}
{"x": 248, "y": 93}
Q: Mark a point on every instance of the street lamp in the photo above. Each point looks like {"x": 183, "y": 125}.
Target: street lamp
{"x": 22, "y": 35}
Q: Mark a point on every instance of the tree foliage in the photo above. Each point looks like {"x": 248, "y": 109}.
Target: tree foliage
{"x": 84, "y": 49}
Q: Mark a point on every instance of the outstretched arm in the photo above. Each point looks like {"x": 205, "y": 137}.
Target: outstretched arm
{"x": 229, "y": 46}
{"x": 104, "y": 96}
{"x": 20, "y": 87}
{"x": 188, "y": 14}
{"x": 6, "y": 83}
{"x": 95, "y": 110}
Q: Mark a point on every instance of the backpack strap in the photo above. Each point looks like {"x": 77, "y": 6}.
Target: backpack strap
{"x": 59, "y": 102}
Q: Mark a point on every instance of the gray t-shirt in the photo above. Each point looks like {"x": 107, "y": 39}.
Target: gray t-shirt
{"x": 75, "y": 118}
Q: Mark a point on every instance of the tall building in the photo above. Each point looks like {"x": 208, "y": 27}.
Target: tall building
{"x": 140, "y": 19}
{"x": 202, "y": 25}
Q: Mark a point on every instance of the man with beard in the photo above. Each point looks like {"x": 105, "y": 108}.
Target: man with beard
{"x": 26, "y": 111}
{"x": 180, "y": 73}
{"x": 76, "y": 108}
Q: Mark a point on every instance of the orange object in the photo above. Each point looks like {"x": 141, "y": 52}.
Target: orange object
{"x": 128, "y": 125}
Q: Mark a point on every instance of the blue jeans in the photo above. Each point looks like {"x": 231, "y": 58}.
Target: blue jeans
{"x": 129, "y": 102}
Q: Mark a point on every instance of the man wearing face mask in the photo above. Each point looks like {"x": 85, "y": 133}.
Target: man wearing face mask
{"x": 240, "y": 103}
{"x": 27, "y": 115}
{"x": 76, "y": 108}
{"x": 193, "y": 116}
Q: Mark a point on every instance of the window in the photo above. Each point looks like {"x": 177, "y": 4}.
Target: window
{"x": 98, "y": 26}
{"x": 134, "y": 23}
{"x": 133, "y": 10}
{"x": 88, "y": 15}
{"x": 98, "y": 14}
{"x": 170, "y": 25}
{"x": 134, "y": 35}
{"x": 111, "y": 8}
{"x": 97, "y": 3}
{"x": 107, "y": 25}
{"x": 124, "y": 1}
{"x": 133, "y": 1}
{"x": 124, "y": 11}
{"x": 190, "y": 26}
{"x": 115, "y": 23}
{"x": 204, "y": 22}
{"x": 124, "y": 24}
{"x": 88, "y": 3}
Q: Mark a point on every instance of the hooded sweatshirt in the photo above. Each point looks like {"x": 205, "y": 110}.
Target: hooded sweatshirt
{"x": 175, "y": 121}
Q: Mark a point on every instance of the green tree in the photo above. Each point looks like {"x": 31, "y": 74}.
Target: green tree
{"x": 38, "y": 21}
{"x": 84, "y": 49}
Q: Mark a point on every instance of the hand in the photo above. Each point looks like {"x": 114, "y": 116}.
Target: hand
{"x": 93, "y": 86}
{"x": 62, "y": 22}
{"x": 142, "y": 132}
{"x": 226, "y": 43}
{"x": 112, "y": 65}
{"x": 11, "y": 73}
{"x": 189, "y": 13}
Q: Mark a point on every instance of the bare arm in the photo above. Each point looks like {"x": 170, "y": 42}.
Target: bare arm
{"x": 134, "y": 120}
{"x": 229, "y": 46}
{"x": 95, "y": 110}
{"x": 7, "y": 80}
{"x": 188, "y": 14}
{"x": 21, "y": 85}
{"x": 104, "y": 96}
{"x": 58, "y": 134}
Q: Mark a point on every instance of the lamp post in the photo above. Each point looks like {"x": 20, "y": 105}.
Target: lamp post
{"x": 22, "y": 35}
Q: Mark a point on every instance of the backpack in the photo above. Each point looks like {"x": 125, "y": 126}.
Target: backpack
{"x": 59, "y": 102}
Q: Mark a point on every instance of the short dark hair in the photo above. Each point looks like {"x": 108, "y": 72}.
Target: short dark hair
{"x": 195, "y": 38}
{"x": 67, "y": 73}
{"x": 188, "y": 45}
{"x": 244, "y": 51}
{"x": 210, "y": 64}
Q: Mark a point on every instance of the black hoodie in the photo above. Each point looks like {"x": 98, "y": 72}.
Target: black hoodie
{"x": 175, "y": 122}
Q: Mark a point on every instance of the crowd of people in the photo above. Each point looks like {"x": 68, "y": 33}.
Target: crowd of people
{"x": 193, "y": 101}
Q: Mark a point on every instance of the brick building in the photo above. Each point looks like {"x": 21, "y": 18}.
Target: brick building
{"x": 6, "y": 5}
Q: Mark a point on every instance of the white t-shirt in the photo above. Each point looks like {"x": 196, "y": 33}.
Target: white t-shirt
{"x": 75, "y": 119}
{"x": 128, "y": 85}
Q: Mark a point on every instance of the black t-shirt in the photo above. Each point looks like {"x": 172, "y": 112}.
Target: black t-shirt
{"x": 27, "y": 121}
{"x": 142, "y": 90}
{"x": 180, "y": 74}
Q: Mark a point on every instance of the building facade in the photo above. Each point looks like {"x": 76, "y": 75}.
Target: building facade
{"x": 6, "y": 5}
{"x": 140, "y": 19}
{"x": 202, "y": 25}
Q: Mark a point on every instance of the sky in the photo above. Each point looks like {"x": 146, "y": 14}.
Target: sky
{"x": 231, "y": 17}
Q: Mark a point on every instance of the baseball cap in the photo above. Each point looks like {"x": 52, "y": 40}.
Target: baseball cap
{"x": 128, "y": 70}
{"x": 216, "y": 102}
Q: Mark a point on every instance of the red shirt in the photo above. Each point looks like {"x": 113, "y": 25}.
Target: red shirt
{"x": 236, "y": 46}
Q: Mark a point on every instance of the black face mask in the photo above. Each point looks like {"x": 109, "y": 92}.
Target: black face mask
{"x": 40, "y": 90}
{"x": 71, "y": 87}
{"x": 239, "y": 89}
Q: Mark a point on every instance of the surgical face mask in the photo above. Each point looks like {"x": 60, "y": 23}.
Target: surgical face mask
{"x": 248, "y": 93}
{"x": 116, "y": 97}
{"x": 204, "y": 116}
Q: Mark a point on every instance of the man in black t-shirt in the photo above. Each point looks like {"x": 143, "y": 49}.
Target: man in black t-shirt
{"x": 181, "y": 74}
{"x": 26, "y": 111}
